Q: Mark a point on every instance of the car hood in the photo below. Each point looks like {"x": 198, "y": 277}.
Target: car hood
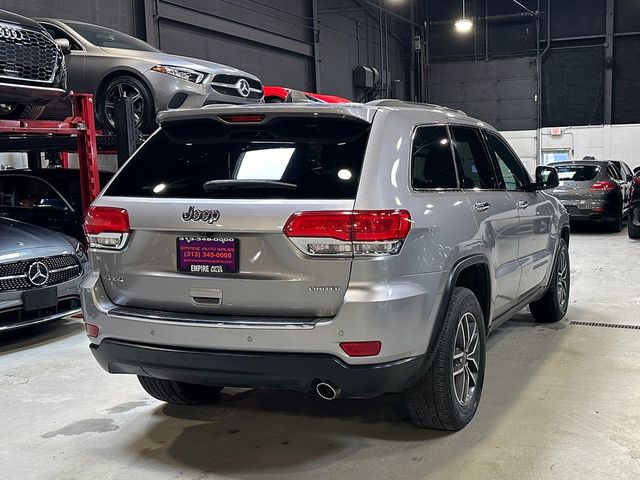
{"x": 15, "y": 235}
{"x": 160, "y": 58}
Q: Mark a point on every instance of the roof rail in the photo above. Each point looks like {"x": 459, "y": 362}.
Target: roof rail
{"x": 391, "y": 102}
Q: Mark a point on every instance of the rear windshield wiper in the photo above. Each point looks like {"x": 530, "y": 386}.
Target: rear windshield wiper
{"x": 214, "y": 185}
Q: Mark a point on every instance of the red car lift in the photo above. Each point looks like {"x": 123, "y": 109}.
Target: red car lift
{"x": 75, "y": 133}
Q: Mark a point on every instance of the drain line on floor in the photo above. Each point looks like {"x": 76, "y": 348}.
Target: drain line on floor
{"x": 607, "y": 325}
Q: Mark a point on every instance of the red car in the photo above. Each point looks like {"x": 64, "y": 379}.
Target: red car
{"x": 282, "y": 94}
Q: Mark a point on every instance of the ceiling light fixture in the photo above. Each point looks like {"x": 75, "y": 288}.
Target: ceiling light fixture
{"x": 464, "y": 25}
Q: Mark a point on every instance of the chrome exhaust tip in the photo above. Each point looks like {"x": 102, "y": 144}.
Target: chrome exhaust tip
{"x": 327, "y": 391}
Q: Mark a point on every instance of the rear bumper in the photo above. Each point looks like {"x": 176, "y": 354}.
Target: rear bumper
{"x": 600, "y": 210}
{"x": 257, "y": 370}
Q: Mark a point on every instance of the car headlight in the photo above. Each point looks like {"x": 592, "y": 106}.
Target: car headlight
{"x": 180, "y": 72}
{"x": 81, "y": 252}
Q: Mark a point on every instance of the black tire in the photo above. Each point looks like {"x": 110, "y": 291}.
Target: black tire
{"x": 433, "y": 402}
{"x": 615, "y": 226}
{"x": 146, "y": 112}
{"x": 634, "y": 230}
{"x": 553, "y": 306}
{"x": 179, "y": 393}
{"x": 18, "y": 112}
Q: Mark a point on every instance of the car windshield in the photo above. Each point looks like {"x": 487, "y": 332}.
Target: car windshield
{"x": 577, "y": 173}
{"x": 107, "y": 38}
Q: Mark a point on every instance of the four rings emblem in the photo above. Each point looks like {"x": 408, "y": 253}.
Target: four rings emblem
{"x": 243, "y": 87}
{"x": 11, "y": 33}
{"x": 38, "y": 274}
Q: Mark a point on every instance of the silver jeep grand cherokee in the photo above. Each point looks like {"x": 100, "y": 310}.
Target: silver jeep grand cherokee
{"x": 353, "y": 250}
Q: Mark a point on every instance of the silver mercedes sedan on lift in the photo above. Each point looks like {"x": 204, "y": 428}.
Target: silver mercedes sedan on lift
{"x": 110, "y": 64}
{"x": 40, "y": 272}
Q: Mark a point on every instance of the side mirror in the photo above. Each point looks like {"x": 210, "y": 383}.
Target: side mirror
{"x": 546, "y": 178}
{"x": 64, "y": 45}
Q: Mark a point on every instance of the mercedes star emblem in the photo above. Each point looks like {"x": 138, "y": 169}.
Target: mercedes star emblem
{"x": 38, "y": 274}
{"x": 243, "y": 87}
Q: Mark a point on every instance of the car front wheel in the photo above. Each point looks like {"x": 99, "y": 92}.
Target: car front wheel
{"x": 141, "y": 101}
{"x": 553, "y": 306}
{"x": 448, "y": 394}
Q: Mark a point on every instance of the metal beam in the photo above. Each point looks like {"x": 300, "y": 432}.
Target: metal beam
{"x": 316, "y": 45}
{"x": 151, "y": 24}
{"x": 608, "y": 65}
{"x": 205, "y": 21}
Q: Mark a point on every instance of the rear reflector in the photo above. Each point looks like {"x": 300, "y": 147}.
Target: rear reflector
{"x": 106, "y": 227}
{"x": 361, "y": 232}
{"x": 92, "y": 330}
{"x": 604, "y": 186}
{"x": 361, "y": 349}
{"x": 242, "y": 118}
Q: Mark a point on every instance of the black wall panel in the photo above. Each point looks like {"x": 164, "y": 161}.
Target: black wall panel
{"x": 500, "y": 92}
{"x": 626, "y": 72}
{"x": 292, "y": 70}
{"x": 627, "y": 15}
{"x": 118, "y": 14}
{"x": 573, "y": 86}
{"x": 571, "y": 18}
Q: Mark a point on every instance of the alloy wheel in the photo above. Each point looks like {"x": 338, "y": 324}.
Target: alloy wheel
{"x": 124, "y": 90}
{"x": 563, "y": 279}
{"x": 466, "y": 359}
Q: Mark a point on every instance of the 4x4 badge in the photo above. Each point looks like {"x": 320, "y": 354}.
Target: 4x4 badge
{"x": 195, "y": 215}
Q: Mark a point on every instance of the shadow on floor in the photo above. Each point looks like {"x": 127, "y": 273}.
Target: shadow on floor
{"x": 24, "y": 338}
{"x": 269, "y": 432}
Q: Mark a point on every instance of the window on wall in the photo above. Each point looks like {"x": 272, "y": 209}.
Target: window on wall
{"x": 432, "y": 162}
{"x": 514, "y": 175}
{"x": 550, "y": 156}
{"x": 474, "y": 164}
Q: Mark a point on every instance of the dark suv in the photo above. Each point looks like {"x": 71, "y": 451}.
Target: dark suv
{"x": 32, "y": 68}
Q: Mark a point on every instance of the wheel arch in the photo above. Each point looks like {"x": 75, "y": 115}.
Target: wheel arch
{"x": 122, "y": 72}
{"x": 465, "y": 273}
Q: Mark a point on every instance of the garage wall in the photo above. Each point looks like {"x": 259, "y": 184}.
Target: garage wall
{"x": 118, "y": 14}
{"x": 274, "y": 42}
{"x": 613, "y": 142}
{"x": 500, "y": 92}
{"x": 274, "y": 39}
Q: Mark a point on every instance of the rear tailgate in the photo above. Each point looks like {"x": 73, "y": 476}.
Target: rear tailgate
{"x": 221, "y": 249}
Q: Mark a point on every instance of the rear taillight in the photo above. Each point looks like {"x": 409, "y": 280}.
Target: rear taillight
{"x": 604, "y": 186}
{"x": 636, "y": 181}
{"x": 106, "y": 227}
{"x": 361, "y": 232}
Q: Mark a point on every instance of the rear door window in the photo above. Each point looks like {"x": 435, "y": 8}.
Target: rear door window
{"x": 286, "y": 158}
{"x": 432, "y": 161}
{"x": 473, "y": 160}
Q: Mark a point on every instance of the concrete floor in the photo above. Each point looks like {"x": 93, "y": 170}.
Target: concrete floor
{"x": 560, "y": 402}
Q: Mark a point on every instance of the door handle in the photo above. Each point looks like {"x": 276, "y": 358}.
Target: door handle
{"x": 481, "y": 206}
{"x": 522, "y": 204}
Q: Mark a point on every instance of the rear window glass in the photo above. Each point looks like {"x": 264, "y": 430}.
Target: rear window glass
{"x": 577, "y": 173}
{"x": 286, "y": 158}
